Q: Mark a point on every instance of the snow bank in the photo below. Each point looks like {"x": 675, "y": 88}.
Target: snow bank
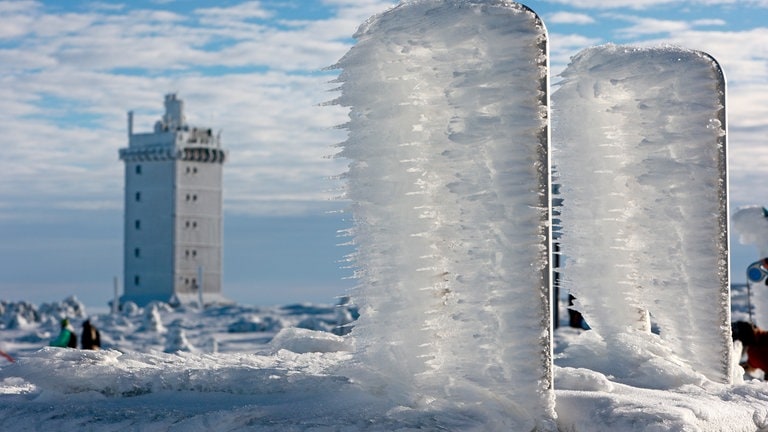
{"x": 302, "y": 341}
{"x": 66, "y": 371}
{"x": 254, "y": 323}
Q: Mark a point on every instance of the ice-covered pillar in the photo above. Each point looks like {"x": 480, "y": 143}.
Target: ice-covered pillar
{"x": 639, "y": 143}
{"x": 449, "y": 179}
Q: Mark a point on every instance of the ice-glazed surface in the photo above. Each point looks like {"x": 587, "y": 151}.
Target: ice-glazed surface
{"x": 449, "y": 179}
{"x": 639, "y": 142}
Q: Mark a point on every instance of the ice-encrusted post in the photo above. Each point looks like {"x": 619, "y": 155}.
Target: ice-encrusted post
{"x": 640, "y": 144}
{"x": 449, "y": 181}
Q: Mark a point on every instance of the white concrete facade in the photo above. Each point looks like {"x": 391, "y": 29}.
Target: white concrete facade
{"x": 173, "y": 211}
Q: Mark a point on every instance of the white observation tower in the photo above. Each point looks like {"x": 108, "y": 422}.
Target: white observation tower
{"x": 173, "y": 211}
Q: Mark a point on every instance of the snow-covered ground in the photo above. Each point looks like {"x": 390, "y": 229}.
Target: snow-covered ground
{"x": 247, "y": 368}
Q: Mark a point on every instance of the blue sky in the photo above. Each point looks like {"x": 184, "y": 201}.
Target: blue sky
{"x": 69, "y": 72}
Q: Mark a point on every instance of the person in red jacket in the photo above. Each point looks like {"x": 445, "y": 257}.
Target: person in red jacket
{"x": 755, "y": 343}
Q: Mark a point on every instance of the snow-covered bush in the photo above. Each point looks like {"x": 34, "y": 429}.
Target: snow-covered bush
{"x": 253, "y": 323}
{"x": 130, "y": 308}
{"x": 18, "y": 314}
{"x": 317, "y": 324}
{"x": 304, "y": 341}
{"x": 152, "y": 321}
{"x": 177, "y": 341}
{"x": 70, "y": 308}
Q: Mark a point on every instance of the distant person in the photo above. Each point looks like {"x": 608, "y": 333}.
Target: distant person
{"x": 755, "y": 342}
{"x": 575, "y": 319}
{"x": 90, "y": 339}
{"x": 67, "y": 337}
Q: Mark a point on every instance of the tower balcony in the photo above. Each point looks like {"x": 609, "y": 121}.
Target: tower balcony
{"x": 191, "y": 153}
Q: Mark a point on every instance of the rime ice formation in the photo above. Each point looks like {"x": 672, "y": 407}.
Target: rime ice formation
{"x": 639, "y": 142}
{"x": 449, "y": 179}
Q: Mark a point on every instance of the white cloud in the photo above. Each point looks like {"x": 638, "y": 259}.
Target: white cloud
{"x": 709, "y": 22}
{"x": 9, "y": 7}
{"x": 68, "y": 83}
{"x": 563, "y": 47}
{"x": 741, "y": 3}
{"x": 647, "y": 4}
{"x": 241, "y": 12}
{"x": 17, "y": 18}
{"x": 612, "y": 4}
{"x": 104, "y": 6}
{"x": 569, "y": 18}
{"x": 648, "y": 26}
{"x": 69, "y": 78}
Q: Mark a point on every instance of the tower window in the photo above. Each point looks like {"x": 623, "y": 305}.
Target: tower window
{"x": 138, "y": 169}
{"x": 137, "y": 252}
{"x": 137, "y": 224}
{"x": 138, "y": 196}
{"x": 136, "y": 280}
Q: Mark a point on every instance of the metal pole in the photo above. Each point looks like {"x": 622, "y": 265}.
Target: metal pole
{"x": 116, "y": 299}
{"x": 749, "y": 303}
{"x": 200, "y": 285}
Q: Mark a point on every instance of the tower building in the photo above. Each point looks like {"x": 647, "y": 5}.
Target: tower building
{"x": 173, "y": 211}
